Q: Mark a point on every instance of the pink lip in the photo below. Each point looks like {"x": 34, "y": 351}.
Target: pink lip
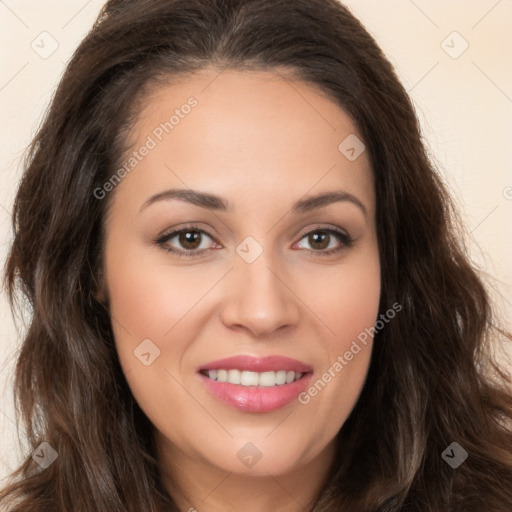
{"x": 258, "y": 364}
{"x": 256, "y": 398}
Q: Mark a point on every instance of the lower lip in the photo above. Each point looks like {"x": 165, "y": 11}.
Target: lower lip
{"x": 255, "y": 398}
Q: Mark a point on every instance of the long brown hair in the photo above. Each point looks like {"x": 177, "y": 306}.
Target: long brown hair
{"x": 432, "y": 379}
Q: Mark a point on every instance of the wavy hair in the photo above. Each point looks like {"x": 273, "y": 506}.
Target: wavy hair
{"x": 433, "y": 378}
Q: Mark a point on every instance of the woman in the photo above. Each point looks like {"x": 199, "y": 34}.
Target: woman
{"x": 325, "y": 344}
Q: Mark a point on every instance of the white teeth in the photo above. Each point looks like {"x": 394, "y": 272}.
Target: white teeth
{"x": 281, "y": 377}
{"x": 289, "y": 377}
{"x": 234, "y": 376}
{"x": 263, "y": 379}
{"x": 249, "y": 379}
{"x": 267, "y": 379}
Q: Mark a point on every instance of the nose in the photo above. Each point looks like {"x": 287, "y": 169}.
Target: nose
{"x": 259, "y": 298}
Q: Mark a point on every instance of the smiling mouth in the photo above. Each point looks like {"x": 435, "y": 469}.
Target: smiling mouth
{"x": 248, "y": 378}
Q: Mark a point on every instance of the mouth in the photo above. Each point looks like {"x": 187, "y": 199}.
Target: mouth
{"x": 253, "y": 384}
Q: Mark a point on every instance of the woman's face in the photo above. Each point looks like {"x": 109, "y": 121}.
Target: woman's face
{"x": 267, "y": 275}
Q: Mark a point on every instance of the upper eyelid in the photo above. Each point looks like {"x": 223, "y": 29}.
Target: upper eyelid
{"x": 171, "y": 234}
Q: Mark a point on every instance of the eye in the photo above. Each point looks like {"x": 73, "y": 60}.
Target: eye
{"x": 189, "y": 238}
{"x": 322, "y": 239}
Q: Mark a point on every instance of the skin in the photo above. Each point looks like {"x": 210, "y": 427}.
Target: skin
{"x": 262, "y": 141}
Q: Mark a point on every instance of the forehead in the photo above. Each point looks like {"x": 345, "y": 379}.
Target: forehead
{"x": 245, "y": 132}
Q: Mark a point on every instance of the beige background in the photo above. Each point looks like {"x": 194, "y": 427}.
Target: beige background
{"x": 464, "y": 104}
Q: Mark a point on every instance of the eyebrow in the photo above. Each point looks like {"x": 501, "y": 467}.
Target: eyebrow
{"x": 217, "y": 203}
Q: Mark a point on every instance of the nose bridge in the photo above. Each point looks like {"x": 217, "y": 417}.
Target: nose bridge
{"x": 258, "y": 298}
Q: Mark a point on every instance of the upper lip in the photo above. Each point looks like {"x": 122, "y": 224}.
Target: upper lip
{"x": 258, "y": 364}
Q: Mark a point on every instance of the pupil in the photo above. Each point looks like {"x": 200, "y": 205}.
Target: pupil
{"x": 315, "y": 238}
{"x": 189, "y": 237}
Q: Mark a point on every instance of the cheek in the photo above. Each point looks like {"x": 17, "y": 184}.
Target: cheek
{"x": 345, "y": 298}
{"x": 149, "y": 301}
{"x": 147, "y": 296}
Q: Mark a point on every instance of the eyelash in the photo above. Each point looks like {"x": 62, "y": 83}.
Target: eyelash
{"x": 345, "y": 239}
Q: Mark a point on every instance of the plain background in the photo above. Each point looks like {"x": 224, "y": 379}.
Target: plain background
{"x": 463, "y": 97}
